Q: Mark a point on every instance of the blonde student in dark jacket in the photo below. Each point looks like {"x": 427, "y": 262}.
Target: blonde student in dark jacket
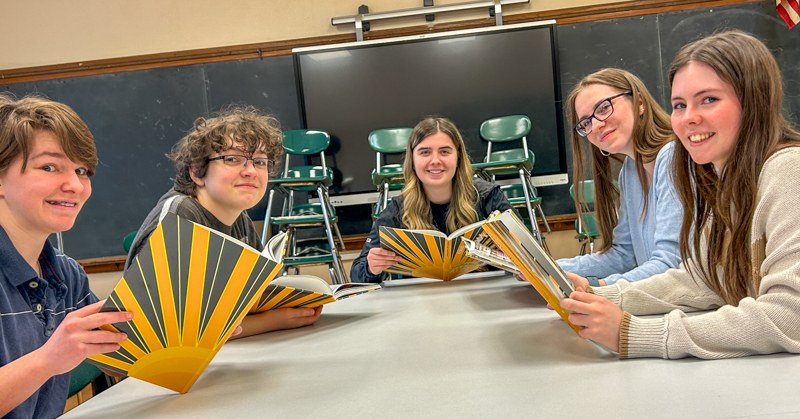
{"x": 439, "y": 194}
{"x": 738, "y": 177}
{"x": 222, "y": 167}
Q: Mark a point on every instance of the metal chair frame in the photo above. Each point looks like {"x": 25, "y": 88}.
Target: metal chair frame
{"x": 287, "y": 187}
{"x": 524, "y": 175}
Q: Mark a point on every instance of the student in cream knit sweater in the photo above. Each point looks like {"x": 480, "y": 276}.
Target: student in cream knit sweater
{"x": 737, "y": 176}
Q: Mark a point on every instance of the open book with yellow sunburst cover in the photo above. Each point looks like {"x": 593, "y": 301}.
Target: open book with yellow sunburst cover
{"x": 188, "y": 289}
{"x": 431, "y": 253}
{"x": 295, "y": 291}
{"x": 517, "y": 243}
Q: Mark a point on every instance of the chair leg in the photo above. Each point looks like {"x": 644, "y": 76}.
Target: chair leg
{"x": 267, "y": 215}
{"x": 534, "y": 223}
{"x": 385, "y": 196}
{"x": 339, "y": 235}
{"x": 544, "y": 245}
{"x": 583, "y": 248}
{"x": 340, "y": 275}
{"x": 539, "y": 207}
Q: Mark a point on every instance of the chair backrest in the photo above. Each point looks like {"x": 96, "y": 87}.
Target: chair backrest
{"x": 127, "y": 241}
{"x": 513, "y": 191}
{"x": 589, "y": 225}
{"x": 81, "y": 376}
{"x": 389, "y": 140}
{"x": 505, "y": 128}
{"x": 305, "y": 141}
{"x": 588, "y": 191}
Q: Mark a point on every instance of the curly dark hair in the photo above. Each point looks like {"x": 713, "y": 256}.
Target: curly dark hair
{"x": 252, "y": 130}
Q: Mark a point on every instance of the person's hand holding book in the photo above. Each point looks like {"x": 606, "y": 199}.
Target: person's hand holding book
{"x": 380, "y": 259}
{"x": 598, "y": 317}
{"x": 78, "y": 337}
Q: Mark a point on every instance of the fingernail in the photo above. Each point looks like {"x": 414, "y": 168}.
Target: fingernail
{"x": 129, "y": 315}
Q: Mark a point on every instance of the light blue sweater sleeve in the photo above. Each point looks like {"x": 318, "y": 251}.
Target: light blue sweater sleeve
{"x": 642, "y": 246}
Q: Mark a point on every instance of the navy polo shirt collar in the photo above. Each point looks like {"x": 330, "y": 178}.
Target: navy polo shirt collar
{"x": 15, "y": 268}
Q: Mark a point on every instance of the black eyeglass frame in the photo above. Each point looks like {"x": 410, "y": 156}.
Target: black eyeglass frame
{"x": 269, "y": 167}
{"x": 577, "y": 128}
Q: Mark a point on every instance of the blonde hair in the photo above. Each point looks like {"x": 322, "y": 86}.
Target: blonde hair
{"x": 416, "y": 206}
{"x": 651, "y": 131}
{"x": 721, "y": 204}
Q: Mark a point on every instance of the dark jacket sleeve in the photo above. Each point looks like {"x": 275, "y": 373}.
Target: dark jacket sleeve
{"x": 492, "y": 199}
{"x": 389, "y": 217}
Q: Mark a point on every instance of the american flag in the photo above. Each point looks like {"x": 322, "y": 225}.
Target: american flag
{"x": 789, "y": 11}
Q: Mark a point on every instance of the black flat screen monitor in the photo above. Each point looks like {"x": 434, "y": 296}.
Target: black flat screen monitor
{"x": 467, "y": 76}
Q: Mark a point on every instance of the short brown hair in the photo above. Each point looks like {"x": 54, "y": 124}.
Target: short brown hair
{"x": 19, "y": 119}
{"x": 252, "y": 130}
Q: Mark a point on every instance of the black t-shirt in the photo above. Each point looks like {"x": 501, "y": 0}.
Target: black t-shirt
{"x": 440, "y": 216}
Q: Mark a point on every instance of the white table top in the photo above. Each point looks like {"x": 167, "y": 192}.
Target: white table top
{"x": 477, "y": 347}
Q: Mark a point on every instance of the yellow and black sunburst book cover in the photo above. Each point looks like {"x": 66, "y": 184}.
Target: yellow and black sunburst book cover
{"x": 188, "y": 289}
{"x": 512, "y": 237}
{"x": 295, "y": 291}
{"x": 432, "y": 254}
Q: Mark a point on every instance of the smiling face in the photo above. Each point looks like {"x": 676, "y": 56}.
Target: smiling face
{"x": 706, "y": 114}
{"x": 614, "y": 134}
{"x": 435, "y": 163}
{"x": 227, "y": 190}
{"x": 48, "y": 195}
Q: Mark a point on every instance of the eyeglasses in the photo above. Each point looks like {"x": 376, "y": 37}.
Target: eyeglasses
{"x": 601, "y": 112}
{"x": 236, "y": 160}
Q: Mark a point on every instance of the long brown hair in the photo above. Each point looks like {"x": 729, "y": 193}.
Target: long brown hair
{"x": 416, "y": 206}
{"x": 651, "y": 131}
{"x": 720, "y": 205}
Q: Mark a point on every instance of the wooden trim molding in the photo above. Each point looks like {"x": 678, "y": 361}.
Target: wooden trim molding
{"x": 352, "y": 242}
{"x": 267, "y": 49}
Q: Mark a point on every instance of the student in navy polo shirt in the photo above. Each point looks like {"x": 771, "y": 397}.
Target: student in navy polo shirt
{"x": 48, "y": 315}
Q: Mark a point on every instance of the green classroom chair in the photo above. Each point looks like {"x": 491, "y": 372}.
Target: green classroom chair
{"x": 586, "y": 224}
{"x": 512, "y": 162}
{"x": 387, "y": 177}
{"x": 516, "y": 197}
{"x": 127, "y": 241}
{"x": 310, "y": 179}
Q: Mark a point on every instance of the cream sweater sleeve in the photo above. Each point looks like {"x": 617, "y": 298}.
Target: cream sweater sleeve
{"x": 766, "y": 323}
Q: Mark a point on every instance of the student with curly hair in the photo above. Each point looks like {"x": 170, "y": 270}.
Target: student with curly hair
{"x": 222, "y": 168}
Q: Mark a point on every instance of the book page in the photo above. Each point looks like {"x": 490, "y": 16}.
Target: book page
{"x": 275, "y": 248}
{"x": 465, "y": 229}
{"x": 305, "y": 282}
{"x": 436, "y": 233}
{"x": 491, "y": 256}
{"x": 343, "y": 291}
